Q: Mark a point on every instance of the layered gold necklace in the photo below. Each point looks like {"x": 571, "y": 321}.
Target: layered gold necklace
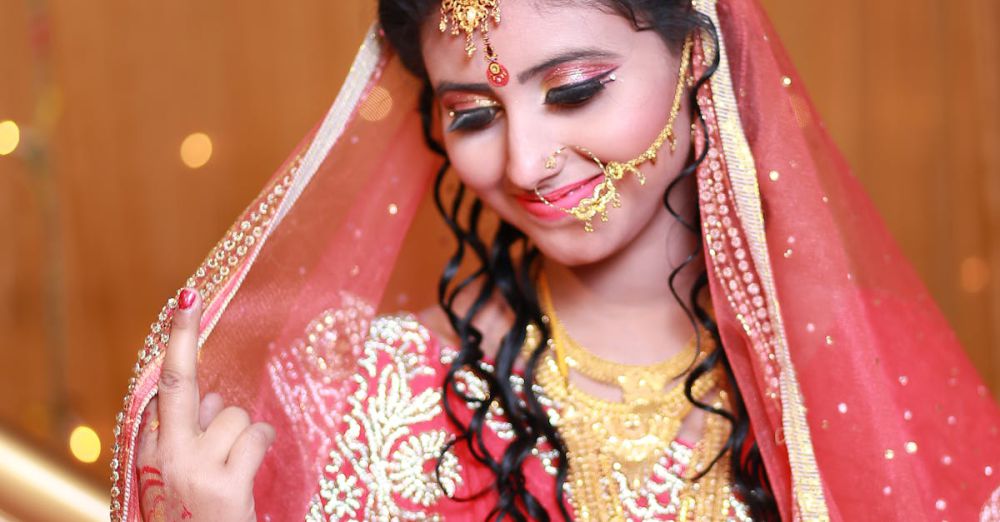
{"x": 614, "y": 448}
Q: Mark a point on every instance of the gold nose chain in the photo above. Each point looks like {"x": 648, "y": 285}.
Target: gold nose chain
{"x": 605, "y": 193}
{"x": 613, "y": 447}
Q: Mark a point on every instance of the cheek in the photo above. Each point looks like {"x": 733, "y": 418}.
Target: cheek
{"x": 477, "y": 162}
{"x": 635, "y": 123}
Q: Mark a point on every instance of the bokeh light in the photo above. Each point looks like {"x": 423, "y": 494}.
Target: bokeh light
{"x": 196, "y": 150}
{"x": 10, "y": 136}
{"x": 85, "y": 444}
{"x": 974, "y": 274}
{"x": 377, "y": 105}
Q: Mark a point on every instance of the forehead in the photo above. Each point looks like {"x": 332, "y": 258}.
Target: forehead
{"x": 529, "y": 32}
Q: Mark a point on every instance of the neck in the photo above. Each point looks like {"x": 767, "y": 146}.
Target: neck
{"x": 625, "y": 300}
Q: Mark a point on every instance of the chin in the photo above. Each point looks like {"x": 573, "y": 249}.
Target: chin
{"x": 568, "y": 244}
{"x": 573, "y": 247}
{"x": 575, "y": 259}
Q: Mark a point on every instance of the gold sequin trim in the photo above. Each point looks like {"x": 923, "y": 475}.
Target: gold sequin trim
{"x": 213, "y": 274}
{"x": 363, "y": 71}
{"x": 741, "y": 178}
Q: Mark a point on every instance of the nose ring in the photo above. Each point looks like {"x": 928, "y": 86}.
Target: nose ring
{"x": 550, "y": 162}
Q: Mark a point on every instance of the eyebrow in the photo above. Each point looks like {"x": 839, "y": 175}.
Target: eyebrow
{"x": 559, "y": 59}
{"x": 444, "y": 87}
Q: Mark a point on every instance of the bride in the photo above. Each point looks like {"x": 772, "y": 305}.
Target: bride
{"x": 668, "y": 298}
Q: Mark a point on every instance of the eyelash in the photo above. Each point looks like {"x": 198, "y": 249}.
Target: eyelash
{"x": 469, "y": 120}
{"x": 577, "y": 94}
{"x": 567, "y": 96}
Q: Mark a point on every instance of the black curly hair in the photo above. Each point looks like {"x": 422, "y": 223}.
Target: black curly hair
{"x": 507, "y": 265}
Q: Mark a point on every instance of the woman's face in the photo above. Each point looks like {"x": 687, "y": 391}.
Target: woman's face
{"x": 579, "y": 77}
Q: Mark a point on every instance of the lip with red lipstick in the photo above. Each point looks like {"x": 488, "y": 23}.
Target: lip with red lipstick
{"x": 563, "y": 199}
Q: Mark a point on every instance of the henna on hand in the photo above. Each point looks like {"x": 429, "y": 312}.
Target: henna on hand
{"x": 159, "y": 507}
{"x": 181, "y": 470}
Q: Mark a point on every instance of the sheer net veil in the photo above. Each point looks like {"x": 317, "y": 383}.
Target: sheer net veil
{"x": 860, "y": 396}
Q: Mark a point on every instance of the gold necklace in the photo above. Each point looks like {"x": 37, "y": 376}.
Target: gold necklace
{"x": 637, "y": 382}
{"x": 613, "y": 447}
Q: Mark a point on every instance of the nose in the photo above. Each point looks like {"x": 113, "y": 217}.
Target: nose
{"x": 531, "y": 153}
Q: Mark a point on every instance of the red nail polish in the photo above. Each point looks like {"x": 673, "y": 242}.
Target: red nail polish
{"x": 186, "y": 299}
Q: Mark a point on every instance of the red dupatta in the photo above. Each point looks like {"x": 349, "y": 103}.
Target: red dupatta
{"x": 863, "y": 402}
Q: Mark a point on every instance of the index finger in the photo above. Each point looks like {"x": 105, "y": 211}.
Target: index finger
{"x": 178, "y": 387}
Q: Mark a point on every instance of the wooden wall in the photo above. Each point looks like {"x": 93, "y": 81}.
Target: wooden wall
{"x": 911, "y": 93}
{"x": 101, "y": 221}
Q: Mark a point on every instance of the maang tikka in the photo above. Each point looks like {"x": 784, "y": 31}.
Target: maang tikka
{"x": 470, "y": 16}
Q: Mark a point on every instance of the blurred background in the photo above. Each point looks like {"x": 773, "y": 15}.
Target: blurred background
{"x": 132, "y": 134}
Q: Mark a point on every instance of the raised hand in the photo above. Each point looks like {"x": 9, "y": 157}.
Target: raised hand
{"x": 197, "y": 460}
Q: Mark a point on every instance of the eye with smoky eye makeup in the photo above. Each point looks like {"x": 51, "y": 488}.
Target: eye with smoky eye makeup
{"x": 579, "y": 93}
{"x": 472, "y": 119}
{"x": 469, "y": 111}
{"x": 567, "y": 96}
{"x": 566, "y": 86}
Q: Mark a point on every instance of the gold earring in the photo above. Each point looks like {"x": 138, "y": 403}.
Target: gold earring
{"x": 550, "y": 162}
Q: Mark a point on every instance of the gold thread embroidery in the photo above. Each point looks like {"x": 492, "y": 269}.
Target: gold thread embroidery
{"x": 330, "y": 338}
{"x": 341, "y": 497}
{"x": 413, "y": 456}
{"x": 312, "y": 377}
{"x": 377, "y": 443}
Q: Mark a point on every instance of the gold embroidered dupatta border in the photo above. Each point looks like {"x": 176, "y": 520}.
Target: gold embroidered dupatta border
{"x": 359, "y": 79}
{"x": 807, "y": 486}
{"x": 220, "y": 276}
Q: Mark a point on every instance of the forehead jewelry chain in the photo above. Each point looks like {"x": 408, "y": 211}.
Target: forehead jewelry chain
{"x": 605, "y": 193}
{"x": 468, "y": 16}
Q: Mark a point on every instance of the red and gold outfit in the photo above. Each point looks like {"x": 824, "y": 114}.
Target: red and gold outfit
{"x": 860, "y": 396}
{"x": 384, "y": 448}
